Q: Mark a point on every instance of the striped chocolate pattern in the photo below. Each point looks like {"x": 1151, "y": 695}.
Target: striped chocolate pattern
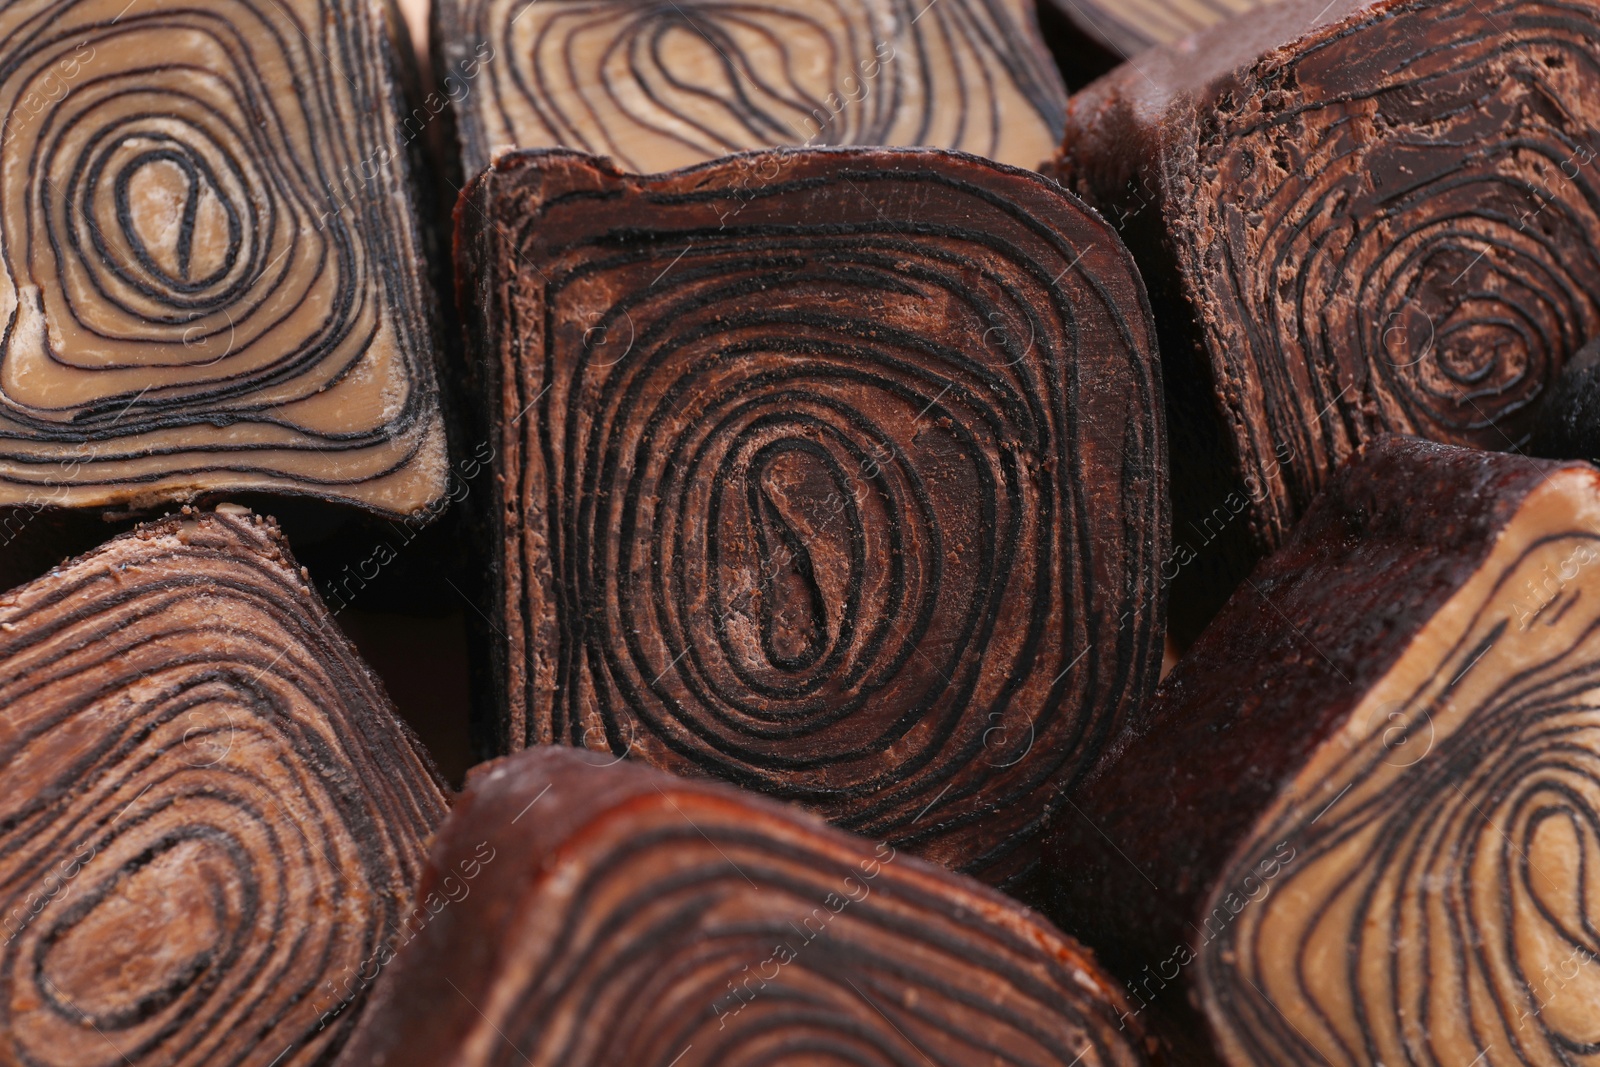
{"x": 1413, "y": 238}
{"x": 1437, "y": 905}
{"x": 605, "y": 913}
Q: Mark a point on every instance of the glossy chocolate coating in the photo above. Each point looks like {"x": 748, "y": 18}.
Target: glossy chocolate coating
{"x": 1569, "y": 417}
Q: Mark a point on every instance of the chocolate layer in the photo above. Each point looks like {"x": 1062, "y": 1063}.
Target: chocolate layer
{"x": 1568, "y": 426}
{"x": 1353, "y": 825}
{"x": 1354, "y": 218}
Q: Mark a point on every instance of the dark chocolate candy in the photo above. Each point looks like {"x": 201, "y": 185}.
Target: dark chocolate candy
{"x": 209, "y": 815}
{"x": 1353, "y": 827}
{"x": 836, "y": 474}
{"x": 1354, "y": 218}
{"x": 580, "y": 910}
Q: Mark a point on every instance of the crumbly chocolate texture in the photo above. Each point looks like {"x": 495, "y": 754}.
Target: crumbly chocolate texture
{"x": 1382, "y": 752}
{"x": 835, "y": 474}
{"x": 588, "y": 910}
{"x": 1354, "y": 218}
{"x": 210, "y": 277}
{"x": 658, "y": 86}
{"x": 210, "y": 817}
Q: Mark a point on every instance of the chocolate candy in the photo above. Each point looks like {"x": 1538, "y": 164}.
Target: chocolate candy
{"x": 834, "y": 474}
{"x": 658, "y": 86}
{"x": 210, "y": 277}
{"x": 1354, "y": 218}
{"x": 1354, "y": 825}
{"x": 587, "y": 910}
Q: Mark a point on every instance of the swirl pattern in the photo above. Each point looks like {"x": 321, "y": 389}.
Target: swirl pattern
{"x": 647, "y": 921}
{"x": 1441, "y": 908}
{"x": 208, "y": 262}
{"x": 209, "y": 817}
{"x": 860, "y": 508}
{"x": 1413, "y": 237}
{"x": 659, "y": 85}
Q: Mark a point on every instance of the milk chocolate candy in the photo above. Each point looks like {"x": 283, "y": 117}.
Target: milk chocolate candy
{"x": 836, "y": 474}
{"x": 657, "y": 86}
{"x": 209, "y": 816}
{"x": 1357, "y": 824}
{"x": 1355, "y": 218}
{"x": 209, "y": 264}
{"x": 588, "y": 910}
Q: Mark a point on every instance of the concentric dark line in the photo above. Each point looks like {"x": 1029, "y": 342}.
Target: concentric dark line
{"x": 1461, "y": 924}
{"x": 969, "y": 630}
{"x": 787, "y": 877}
{"x": 672, "y": 895}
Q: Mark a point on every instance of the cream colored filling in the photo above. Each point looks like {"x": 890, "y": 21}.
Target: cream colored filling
{"x": 1446, "y": 868}
{"x": 592, "y": 75}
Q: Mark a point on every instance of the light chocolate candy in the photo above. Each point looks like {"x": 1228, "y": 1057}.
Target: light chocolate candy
{"x": 663, "y": 85}
{"x": 209, "y": 264}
